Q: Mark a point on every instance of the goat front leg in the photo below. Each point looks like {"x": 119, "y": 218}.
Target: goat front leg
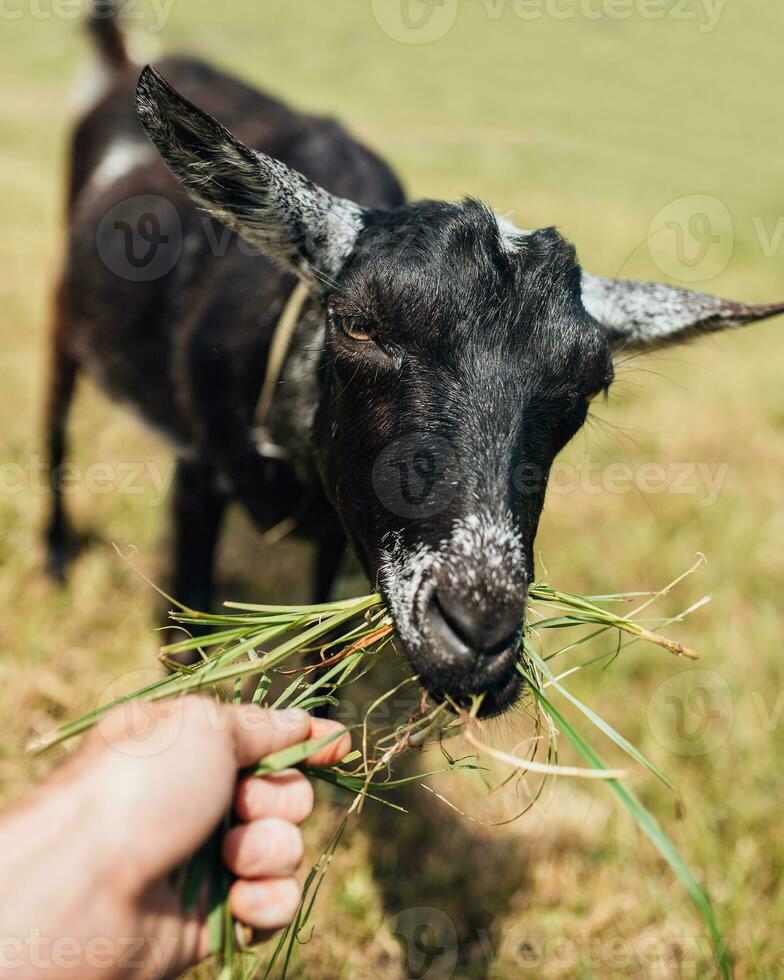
{"x": 330, "y": 549}
{"x": 59, "y": 545}
{"x": 198, "y": 506}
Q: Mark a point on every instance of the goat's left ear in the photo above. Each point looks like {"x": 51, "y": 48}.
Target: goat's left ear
{"x": 649, "y": 315}
{"x": 274, "y": 208}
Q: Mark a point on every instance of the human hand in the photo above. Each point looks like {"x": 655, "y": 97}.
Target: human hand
{"x": 87, "y": 860}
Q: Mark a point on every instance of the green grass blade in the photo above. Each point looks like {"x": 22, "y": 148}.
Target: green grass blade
{"x": 650, "y": 827}
{"x": 600, "y": 723}
{"x": 294, "y": 754}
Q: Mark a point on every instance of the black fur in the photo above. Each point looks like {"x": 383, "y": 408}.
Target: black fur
{"x": 187, "y": 350}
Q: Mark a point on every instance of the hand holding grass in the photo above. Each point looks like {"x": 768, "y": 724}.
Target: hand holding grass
{"x": 254, "y": 648}
{"x": 87, "y": 861}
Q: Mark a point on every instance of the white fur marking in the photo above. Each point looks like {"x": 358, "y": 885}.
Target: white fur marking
{"x": 122, "y": 158}
{"x": 510, "y": 233}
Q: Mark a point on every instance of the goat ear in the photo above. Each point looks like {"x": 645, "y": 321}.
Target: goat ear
{"x": 650, "y": 315}
{"x": 274, "y": 208}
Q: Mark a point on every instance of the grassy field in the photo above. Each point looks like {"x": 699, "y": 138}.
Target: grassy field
{"x": 593, "y": 124}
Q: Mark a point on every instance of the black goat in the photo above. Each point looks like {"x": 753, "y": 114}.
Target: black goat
{"x": 441, "y": 360}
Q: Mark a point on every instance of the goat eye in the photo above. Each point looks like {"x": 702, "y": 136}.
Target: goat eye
{"x": 358, "y": 331}
{"x": 354, "y": 328}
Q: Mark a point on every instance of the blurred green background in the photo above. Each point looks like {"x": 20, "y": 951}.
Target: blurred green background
{"x": 595, "y": 124}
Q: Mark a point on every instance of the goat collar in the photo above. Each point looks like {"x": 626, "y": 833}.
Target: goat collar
{"x": 278, "y": 351}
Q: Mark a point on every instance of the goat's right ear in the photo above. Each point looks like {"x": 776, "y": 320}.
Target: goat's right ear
{"x": 274, "y": 208}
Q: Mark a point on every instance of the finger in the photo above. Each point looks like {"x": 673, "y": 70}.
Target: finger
{"x": 259, "y": 732}
{"x": 263, "y": 849}
{"x": 245, "y": 936}
{"x": 266, "y": 904}
{"x": 287, "y": 794}
{"x": 335, "y": 751}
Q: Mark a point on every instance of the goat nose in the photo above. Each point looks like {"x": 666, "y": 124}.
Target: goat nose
{"x": 468, "y": 629}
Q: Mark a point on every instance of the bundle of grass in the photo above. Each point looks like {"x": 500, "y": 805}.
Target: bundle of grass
{"x": 309, "y": 656}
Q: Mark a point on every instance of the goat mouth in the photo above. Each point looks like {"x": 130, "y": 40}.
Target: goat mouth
{"x": 496, "y": 699}
{"x": 496, "y": 680}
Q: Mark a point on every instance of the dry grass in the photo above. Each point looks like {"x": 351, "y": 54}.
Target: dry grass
{"x": 595, "y": 127}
